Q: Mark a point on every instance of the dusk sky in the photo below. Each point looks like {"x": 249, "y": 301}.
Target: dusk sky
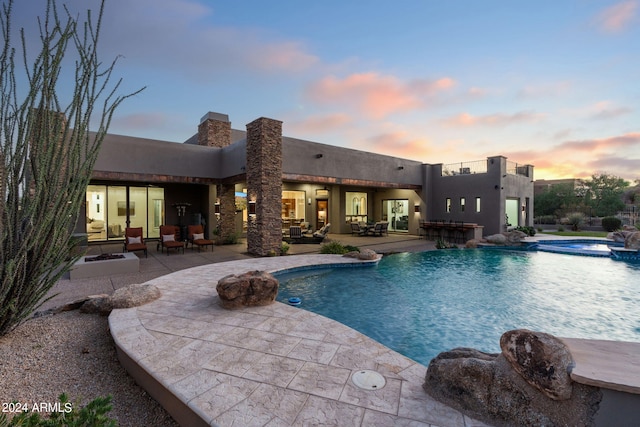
{"x": 555, "y": 84}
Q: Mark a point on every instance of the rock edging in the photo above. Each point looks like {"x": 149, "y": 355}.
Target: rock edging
{"x": 527, "y": 384}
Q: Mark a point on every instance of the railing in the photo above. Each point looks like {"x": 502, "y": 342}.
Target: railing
{"x": 515, "y": 169}
{"x": 465, "y": 168}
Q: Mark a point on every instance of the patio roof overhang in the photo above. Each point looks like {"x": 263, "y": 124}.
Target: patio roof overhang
{"x": 327, "y": 180}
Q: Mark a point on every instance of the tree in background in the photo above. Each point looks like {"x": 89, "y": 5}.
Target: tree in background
{"x": 604, "y": 194}
{"x": 46, "y": 151}
{"x": 557, "y": 200}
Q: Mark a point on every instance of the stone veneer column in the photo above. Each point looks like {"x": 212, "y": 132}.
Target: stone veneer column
{"x": 227, "y": 221}
{"x": 264, "y": 186}
{"x": 214, "y": 130}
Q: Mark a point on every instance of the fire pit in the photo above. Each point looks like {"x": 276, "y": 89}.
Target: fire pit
{"x": 103, "y": 257}
{"x": 105, "y": 265}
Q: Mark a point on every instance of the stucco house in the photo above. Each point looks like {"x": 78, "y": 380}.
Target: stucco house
{"x": 259, "y": 182}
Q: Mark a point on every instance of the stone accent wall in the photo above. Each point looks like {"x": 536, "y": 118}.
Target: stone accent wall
{"x": 264, "y": 185}
{"x": 227, "y": 221}
{"x": 214, "y": 130}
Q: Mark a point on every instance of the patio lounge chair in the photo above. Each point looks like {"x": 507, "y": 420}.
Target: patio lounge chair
{"x": 169, "y": 235}
{"x": 134, "y": 240}
{"x": 195, "y": 236}
{"x": 322, "y": 233}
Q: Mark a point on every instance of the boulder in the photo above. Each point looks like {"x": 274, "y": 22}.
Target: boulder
{"x": 472, "y": 244}
{"x": 497, "y": 239}
{"x": 617, "y": 236}
{"x": 251, "y": 289}
{"x": 487, "y": 387}
{"x": 97, "y": 304}
{"x": 363, "y": 254}
{"x": 515, "y": 236}
{"x": 632, "y": 240}
{"x": 367, "y": 255}
{"x": 541, "y": 359}
{"x": 134, "y": 295}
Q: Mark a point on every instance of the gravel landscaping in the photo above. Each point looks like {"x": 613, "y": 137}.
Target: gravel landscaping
{"x": 72, "y": 353}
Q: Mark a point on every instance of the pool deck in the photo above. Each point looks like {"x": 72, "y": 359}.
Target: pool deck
{"x": 265, "y": 366}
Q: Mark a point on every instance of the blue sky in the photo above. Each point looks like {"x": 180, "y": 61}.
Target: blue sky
{"x": 548, "y": 83}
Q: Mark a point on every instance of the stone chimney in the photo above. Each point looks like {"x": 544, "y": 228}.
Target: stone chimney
{"x": 214, "y": 130}
{"x": 264, "y": 186}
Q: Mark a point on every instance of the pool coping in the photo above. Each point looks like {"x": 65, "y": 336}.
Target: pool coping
{"x": 272, "y": 365}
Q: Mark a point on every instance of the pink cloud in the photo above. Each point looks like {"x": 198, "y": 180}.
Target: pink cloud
{"x": 581, "y": 159}
{"x": 376, "y": 95}
{"x": 605, "y": 110}
{"x": 545, "y": 90}
{"x": 319, "y": 123}
{"x": 400, "y": 144}
{"x": 618, "y": 17}
{"x": 629, "y": 140}
{"x": 289, "y": 56}
{"x": 498, "y": 119}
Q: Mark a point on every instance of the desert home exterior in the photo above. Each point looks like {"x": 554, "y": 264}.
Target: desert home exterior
{"x": 259, "y": 182}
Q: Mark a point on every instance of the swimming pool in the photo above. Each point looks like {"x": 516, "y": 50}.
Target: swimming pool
{"x": 586, "y": 247}
{"x": 421, "y": 304}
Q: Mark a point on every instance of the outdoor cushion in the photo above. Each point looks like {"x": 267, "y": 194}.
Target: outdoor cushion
{"x": 168, "y": 238}
{"x": 132, "y": 240}
{"x": 198, "y": 236}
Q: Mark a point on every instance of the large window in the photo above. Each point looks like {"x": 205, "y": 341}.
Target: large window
{"x": 293, "y": 208}
{"x": 111, "y": 208}
{"x": 356, "y": 206}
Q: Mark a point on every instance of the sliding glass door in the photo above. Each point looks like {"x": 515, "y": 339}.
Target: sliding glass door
{"x": 112, "y": 208}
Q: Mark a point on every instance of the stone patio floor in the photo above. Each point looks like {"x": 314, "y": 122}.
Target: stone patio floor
{"x": 266, "y": 366}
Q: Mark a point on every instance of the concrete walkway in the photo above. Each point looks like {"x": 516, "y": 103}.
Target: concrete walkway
{"x": 158, "y": 264}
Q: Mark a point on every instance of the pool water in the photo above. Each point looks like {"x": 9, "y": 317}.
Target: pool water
{"x": 578, "y": 247}
{"x": 421, "y": 304}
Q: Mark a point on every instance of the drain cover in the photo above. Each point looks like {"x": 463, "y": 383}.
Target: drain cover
{"x": 368, "y": 380}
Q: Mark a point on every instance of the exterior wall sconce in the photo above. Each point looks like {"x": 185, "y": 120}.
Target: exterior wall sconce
{"x": 524, "y": 208}
{"x": 251, "y": 206}
{"x": 416, "y": 208}
{"x": 216, "y": 208}
{"x": 400, "y": 168}
{"x": 309, "y": 201}
{"x": 319, "y": 156}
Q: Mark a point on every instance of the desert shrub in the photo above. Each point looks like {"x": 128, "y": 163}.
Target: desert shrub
{"x": 284, "y": 248}
{"x": 610, "y": 223}
{"x": 334, "y": 248}
{"x": 231, "y": 239}
{"x": 530, "y": 231}
{"x": 350, "y": 248}
{"x": 575, "y": 220}
{"x": 442, "y": 244}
